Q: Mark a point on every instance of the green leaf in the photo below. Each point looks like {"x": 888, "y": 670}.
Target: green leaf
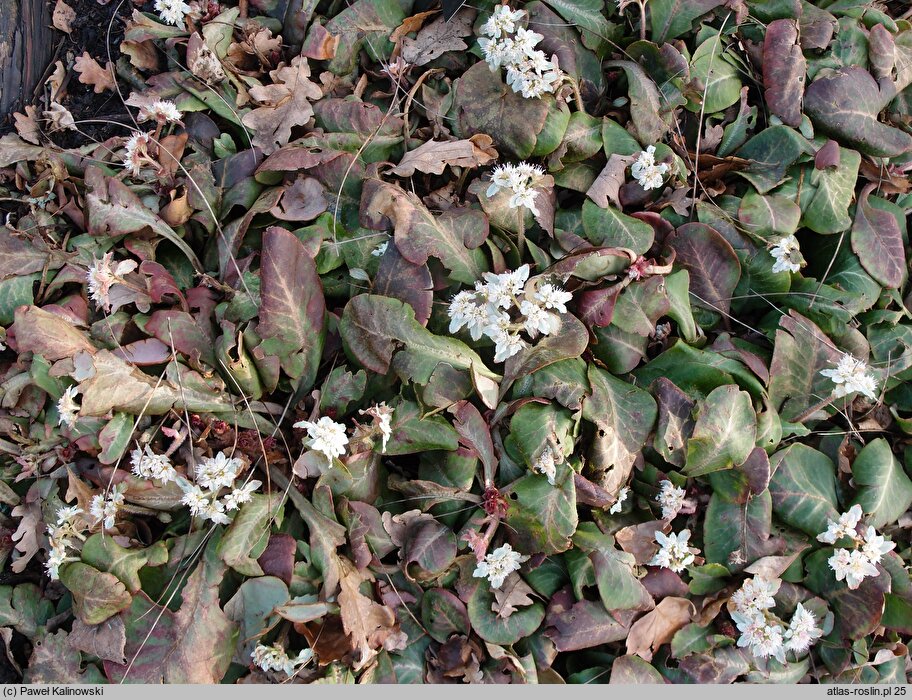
{"x": 670, "y": 19}
{"x": 772, "y": 153}
{"x": 25, "y": 608}
{"x": 115, "y": 437}
{"x": 253, "y": 608}
{"x": 443, "y": 614}
{"x": 803, "y": 487}
{"x": 717, "y": 73}
{"x": 769, "y": 216}
{"x": 536, "y": 427}
{"x": 486, "y": 623}
{"x": 724, "y": 434}
{"x": 618, "y": 588}
{"x": 623, "y": 413}
{"x": 884, "y": 491}
{"x": 246, "y": 537}
{"x": 858, "y": 612}
{"x": 105, "y": 554}
{"x": 375, "y": 328}
{"x": 96, "y": 595}
{"x": 610, "y": 228}
{"x": 648, "y": 117}
{"x": 828, "y": 193}
{"x": 542, "y": 516}
{"x": 292, "y": 310}
{"x": 629, "y": 669}
{"x": 412, "y": 433}
{"x": 587, "y": 15}
{"x": 737, "y": 534}
{"x": 568, "y": 343}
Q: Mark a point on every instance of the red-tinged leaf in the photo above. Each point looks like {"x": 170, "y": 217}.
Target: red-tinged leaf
{"x": 475, "y": 434}
{"x": 584, "y": 624}
{"x": 784, "y": 70}
{"x": 828, "y": 156}
{"x": 878, "y": 243}
{"x": 149, "y": 351}
{"x": 845, "y": 105}
{"x": 180, "y": 330}
{"x": 403, "y": 280}
{"x": 47, "y": 334}
{"x": 712, "y": 263}
{"x": 23, "y": 257}
{"x": 160, "y": 282}
{"x": 570, "y": 341}
{"x": 192, "y": 645}
{"x": 453, "y": 237}
{"x": 596, "y": 306}
{"x": 278, "y": 557}
{"x": 293, "y": 310}
{"x": 303, "y": 200}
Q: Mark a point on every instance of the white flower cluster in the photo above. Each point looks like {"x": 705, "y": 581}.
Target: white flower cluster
{"x": 671, "y": 498}
{"x": 172, "y": 11}
{"x": 212, "y": 476}
{"x": 499, "y": 564}
{"x": 61, "y": 536}
{"x": 851, "y": 375}
{"x": 103, "y": 275}
{"x": 68, "y": 408}
{"x": 529, "y": 71}
{"x": 104, "y": 507}
{"x": 521, "y": 180}
{"x": 675, "y": 552}
{"x": 787, "y": 254}
{"x": 161, "y": 111}
{"x": 326, "y": 436}
{"x": 546, "y": 464}
{"x": 486, "y": 310}
{"x": 275, "y": 658}
{"x": 136, "y": 153}
{"x": 761, "y": 631}
{"x": 619, "y": 503}
{"x": 148, "y": 465}
{"x": 646, "y": 171}
{"x": 861, "y": 562}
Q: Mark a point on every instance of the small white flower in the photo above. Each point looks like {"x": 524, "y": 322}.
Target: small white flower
{"x": 852, "y": 566}
{"x": 67, "y": 514}
{"x": 502, "y": 21}
{"x": 506, "y": 345}
{"x": 217, "y": 472}
{"x": 671, "y": 498}
{"x": 646, "y": 171}
{"x": 787, "y": 254}
{"x": 499, "y": 564}
{"x": 382, "y": 415}
{"x": 214, "y": 510}
{"x": 148, "y": 465}
{"x": 875, "y": 546}
{"x": 619, "y": 503}
{"x": 380, "y": 250}
{"x": 525, "y": 41}
{"x": 552, "y": 297}
{"x": 195, "y": 499}
{"x": 851, "y": 375}
{"x": 802, "y": 631}
{"x": 326, "y": 436}
{"x": 274, "y": 658}
{"x": 136, "y": 152}
{"x": 751, "y": 627}
{"x": 844, "y": 527}
{"x": 525, "y": 198}
{"x": 68, "y": 408}
{"x": 545, "y": 465}
{"x": 56, "y": 558}
{"x": 104, "y": 508}
{"x": 769, "y": 643}
{"x": 241, "y": 495}
{"x": 161, "y": 111}
{"x": 172, "y": 11}
{"x": 465, "y": 311}
{"x": 755, "y": 595}
{"x": 537, "y": 320}
{"x": 102, "y": 275}
{"x": 675, "y": 552}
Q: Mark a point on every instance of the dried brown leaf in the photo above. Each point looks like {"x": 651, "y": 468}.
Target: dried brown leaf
{"x": 367, "y": 622}
{"x": 63, "y": 17}
{"x": 434, "y": 156}
{"x": 438, "y": 37}
{"x": 658, "y": 626}
{"x": 604, "y": 190}
{"x": 91, "y": 73}
{"x": 512, "y": 595}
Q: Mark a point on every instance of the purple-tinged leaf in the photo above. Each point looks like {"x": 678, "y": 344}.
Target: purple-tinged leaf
{"x": 784, "y": 71}
{"x": 878, "y": 243}
{"x": 712, "y": 263}
{"x": 403, "y": 280}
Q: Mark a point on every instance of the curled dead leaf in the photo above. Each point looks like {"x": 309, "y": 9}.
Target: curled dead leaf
{"x": 433, "y": 156}
{"x": 658, "y": 626}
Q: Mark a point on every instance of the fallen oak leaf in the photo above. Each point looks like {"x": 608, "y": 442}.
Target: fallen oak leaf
{"x": 367, "y": 622}
{"x": 63, "y": 16}
{"x": 283, "y": 105}
{"x": 91, "y": 73}
{"x": 437, "y": 38}
{"x": 512, "y": 595}
{"x": 433, "y": 156}
{"x": 658, "y": 626}
{"x": 607, "y": 185}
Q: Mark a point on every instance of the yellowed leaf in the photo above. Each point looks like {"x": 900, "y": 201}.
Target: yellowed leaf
{"x": 91, "y": 73}
{"x": 658, "y": 626}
